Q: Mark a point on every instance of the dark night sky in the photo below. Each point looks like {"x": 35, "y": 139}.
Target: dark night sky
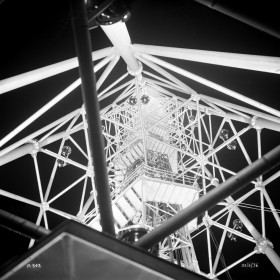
{"x": 38, "y": 33}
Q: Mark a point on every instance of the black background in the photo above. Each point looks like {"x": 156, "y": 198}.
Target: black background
{"x": 38, "y": 33}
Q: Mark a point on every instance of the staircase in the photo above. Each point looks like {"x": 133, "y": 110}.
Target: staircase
{"x": 144, "y": 189}
{"x": 137, "y": 182}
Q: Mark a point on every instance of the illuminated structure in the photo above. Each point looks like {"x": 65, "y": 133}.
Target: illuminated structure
{"x": 165, "y": 144}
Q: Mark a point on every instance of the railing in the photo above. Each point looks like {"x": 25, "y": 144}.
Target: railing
{"x": 163, "y": 175}
{"x": 147, "y": 172}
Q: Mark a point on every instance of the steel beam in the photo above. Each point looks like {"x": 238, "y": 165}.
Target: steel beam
{"x": 210, "y": 84}
{"x": 237, "y": 60}
{"x": 238, "y": 10}
{"x": 231, "y": 186}
{"x": 42, "y": 73}
{"x": 119, "y": 37}
{"x": 89, "y": 93}
{"x": 21, "y": 226}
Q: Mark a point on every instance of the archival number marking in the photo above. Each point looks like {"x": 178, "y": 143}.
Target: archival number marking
{"x": 250, "y": 265}
{"x": 33, "y": 266}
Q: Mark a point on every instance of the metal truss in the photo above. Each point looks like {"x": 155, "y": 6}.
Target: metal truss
{"x": 166, "y": 145}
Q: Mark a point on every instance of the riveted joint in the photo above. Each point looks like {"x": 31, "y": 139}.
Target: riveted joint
{"x": 207, "y": 221}
{"x": 195, "y": 97}
{"x": 208, "y": 112}
{"x": 259, "y": 185}
{"x": 45, "y": 206}
{"x": 90, "y": 171}
{"x": 137, "y": 72}
{"x": 67, "y": 136}
{"x": 262, "y": 245}
{"x": 85, "y": 124}
{"x": 141, "y": 81}
{"x": 36, "y": 147}
{"x": 202, "y": 159}
{"x": 215, "y": 182}
{"x": 254, "y": 123}
{"x": 83, "y": 110}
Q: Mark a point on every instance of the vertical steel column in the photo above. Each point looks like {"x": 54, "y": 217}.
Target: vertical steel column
{"x": 89, "y": 92}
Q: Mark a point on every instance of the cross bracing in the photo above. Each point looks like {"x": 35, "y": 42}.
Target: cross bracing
{"x": 166, "y": 145}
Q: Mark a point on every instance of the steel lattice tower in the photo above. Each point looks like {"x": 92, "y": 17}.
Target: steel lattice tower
{"x": 166, "y": 145}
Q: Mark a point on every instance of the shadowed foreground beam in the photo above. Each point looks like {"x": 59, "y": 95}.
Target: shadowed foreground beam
{"x": 89, "y": 92}
{"x": 224, "y": 190}
{"x": 21, "y": 226}
{"x": 260, "y": 15}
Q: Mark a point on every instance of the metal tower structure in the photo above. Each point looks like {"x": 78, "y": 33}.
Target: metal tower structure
{"x": 166, "y": 145}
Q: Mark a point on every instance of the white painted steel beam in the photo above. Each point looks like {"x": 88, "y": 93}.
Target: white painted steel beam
{"x": 51, "y": 103}
{"x": 29, "y": 147}
{"x": 268, "y": 250}
{"x": 119, "y": 37}
{"x": 39, "y": 132}
{"x": 211, "y": 84}
{"x": 47, "y": 71}
{"x": 244, "y": 61}
{"x": 167, "y": 75}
